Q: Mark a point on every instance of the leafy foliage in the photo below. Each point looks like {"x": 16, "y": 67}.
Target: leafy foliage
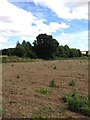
{"x": 20, "y": 51}
{"x": 60, "y": 51}
{"x": 77, "y": 103}
{"x": 44, "y": 91}
{"x": 66, "y": 52}
{"x": 24, "y": 50}
{"x": 45, "y": 46}
{"x": 52, "y": 83}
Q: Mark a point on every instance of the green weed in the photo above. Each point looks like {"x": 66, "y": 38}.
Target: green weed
{"x": 52, "y": 83}
{"x": 44, "y": 91}
{"x": 77, "y": 103}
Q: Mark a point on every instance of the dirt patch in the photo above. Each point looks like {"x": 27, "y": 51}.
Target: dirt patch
{"x": 21, "y": 80}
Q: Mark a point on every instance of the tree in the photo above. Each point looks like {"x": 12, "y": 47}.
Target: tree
{"x": 24, "y": 49}
{"x": 75, "y": 52}
{"x": 45, "y": 46}
{"x": 67, "y": 50}
{"x": 5, "y": 52}
{"x": 72, "y": 53}
{"x": 11, "y": 51}
{"x": 87, "y": 53}
{"x": 0, "y": 52}
{"x": 20, "y": 51}
{"x": 79, "y": 53}
{"x": 60, "y": 51}
{"x": 29, "y": 49}
{"x": 17, "y": 44}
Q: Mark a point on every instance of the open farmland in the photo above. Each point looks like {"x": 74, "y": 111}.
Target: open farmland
{"x": 22, "y": 82}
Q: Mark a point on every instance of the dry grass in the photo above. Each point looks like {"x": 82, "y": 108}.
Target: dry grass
{"x": 20, "y": 98}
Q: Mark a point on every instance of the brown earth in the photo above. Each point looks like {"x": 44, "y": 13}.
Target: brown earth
{"x": 21, "y": 80}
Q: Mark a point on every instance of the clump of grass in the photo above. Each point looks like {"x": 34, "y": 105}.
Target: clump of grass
{"x": 77, "y": 103}
{"x": 43, "y": 112}
{"x": 54, "y": 67}
{"x": 72, "y": 83}
{"x": 52, "y": 83}
{"x": 44, "y": 91}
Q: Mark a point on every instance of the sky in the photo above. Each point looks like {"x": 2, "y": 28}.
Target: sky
{"x": 65, "y": 20}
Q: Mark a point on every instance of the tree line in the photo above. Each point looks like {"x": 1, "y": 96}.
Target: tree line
{"x": 44, "y": 47}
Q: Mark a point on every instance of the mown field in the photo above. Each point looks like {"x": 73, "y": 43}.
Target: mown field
{"x": 28, "y": 90}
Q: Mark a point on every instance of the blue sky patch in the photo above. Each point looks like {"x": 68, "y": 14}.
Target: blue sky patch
{"x": 30, "y": 18}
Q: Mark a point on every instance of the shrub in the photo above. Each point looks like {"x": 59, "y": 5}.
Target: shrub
{"x": 77, "y": 103}
{"x": 52, "y": 84}
{"x": 72, "y": 83}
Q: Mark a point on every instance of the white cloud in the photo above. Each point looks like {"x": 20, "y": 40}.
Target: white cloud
{"x": 2, "y": 39}
{"x": 66, "y": 8}
{"x": 17, "y": 21}
{"x": 55, "y": 26}
{"x": 52, "y": 27}
{"x": 76, "y": 40}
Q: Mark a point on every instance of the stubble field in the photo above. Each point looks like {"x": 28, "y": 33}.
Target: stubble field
{"x": 22, "y": 83}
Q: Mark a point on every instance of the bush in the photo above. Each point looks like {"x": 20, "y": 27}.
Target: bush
{"x": 86, "y": 111}
{"x": 52, "y": 84}
{"x": 77, "y": 103}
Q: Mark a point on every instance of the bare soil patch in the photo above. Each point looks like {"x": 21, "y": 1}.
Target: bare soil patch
{"x": 21, "y": 80}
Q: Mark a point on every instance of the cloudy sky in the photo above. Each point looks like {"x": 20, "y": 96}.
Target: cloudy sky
{"x": 22, "y": 20}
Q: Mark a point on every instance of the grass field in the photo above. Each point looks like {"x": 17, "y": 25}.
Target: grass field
{"x": 28, "y": 88}
{"x": 11, "y": 59}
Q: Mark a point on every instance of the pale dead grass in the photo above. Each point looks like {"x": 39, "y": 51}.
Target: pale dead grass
{"x": 20, "y": 98}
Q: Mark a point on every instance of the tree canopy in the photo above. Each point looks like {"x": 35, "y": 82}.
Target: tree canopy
{"x": 45, "y": 47}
